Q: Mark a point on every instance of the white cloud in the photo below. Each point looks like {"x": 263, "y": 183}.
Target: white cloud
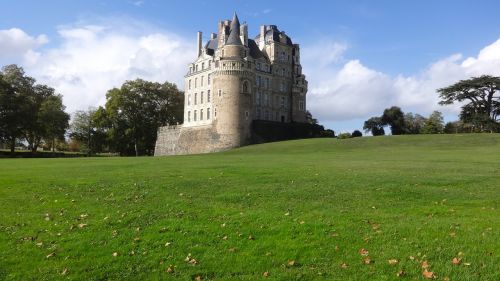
{"x": 92, "y": 59}
{"x": 15, "y": 44}
{"x": 341, "y": 89}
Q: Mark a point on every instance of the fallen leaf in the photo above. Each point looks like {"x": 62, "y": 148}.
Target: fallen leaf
{"x": 428, "y": 274}
{"x": 250, "y": 237}
{"x": 344, "y": 265}
{"x": 467, "y": 263}
{"x": 265, "y": 274}
{"x": 456, "y": 261}
{"x": 198, "y": 278}
{"x": 401, "y": 273}
{"x": 367, "y": 260}
{"x": 291, "y": 263}
{"x": 50, "y": 255}
{"x": 425, "y": 265}
{"x": 168, "y": 244}
{"x": 115, "y": 254}
{"x": 193, "y": 262}
{"x": 170, "y": 269}
{"x": 224, "y": 238}
{"x": 287, "y": 213}
{"x": 82, "y": 225}
{"x": 363, "y": 252}
{"x": 392, "y": 261}
{"x": 65, "y": 270}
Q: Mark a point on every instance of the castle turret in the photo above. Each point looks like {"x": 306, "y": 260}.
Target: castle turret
{"x": 233, "y": 88}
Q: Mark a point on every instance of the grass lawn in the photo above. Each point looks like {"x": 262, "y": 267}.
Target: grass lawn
{"x": 319, "y": 209}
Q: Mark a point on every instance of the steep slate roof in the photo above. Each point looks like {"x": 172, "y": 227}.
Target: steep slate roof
{"x": 255, "y": 52}
{"x": 274, "y": 34}
{"x": 234, "y": 33}
{"x": 211, "y": 46}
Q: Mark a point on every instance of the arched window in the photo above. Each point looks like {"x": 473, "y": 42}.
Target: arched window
{"x": 202, "y": 77}
{"x": 208, "y": 96}
{"x": 194, "y": 117}
{"x": 201, "y": 98}
{"x": 195, "y": 100}
{"x": 189, "y": 116}
{"x": 189, "y": 99}
{"x": 208, "y": 113}
{"x": 245, "y": 87}
{"x": 201, "y": 114}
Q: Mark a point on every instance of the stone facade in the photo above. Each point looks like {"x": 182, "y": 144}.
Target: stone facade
{"x": 234, "y": 81}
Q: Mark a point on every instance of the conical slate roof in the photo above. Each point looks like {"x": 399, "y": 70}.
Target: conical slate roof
{"x": 234, "y": 33}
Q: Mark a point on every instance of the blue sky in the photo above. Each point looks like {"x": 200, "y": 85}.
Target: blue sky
{"x": 377, "y": 50}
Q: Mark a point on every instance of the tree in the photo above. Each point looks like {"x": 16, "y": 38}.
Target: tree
{"x": 482, "y": 100}
{"x": 375, "y": 126}
{"x": 30, "y": 111}
{"x": 87, "y": 129}
{"x": 414, "y": 123}
{"x": 356, "y": 134}
{"x": 434, "y": 124}
{"x": 52, "y": 119}
{"x": 15, "y": 89}
{"x": 136, "y": 110}
{"x": 394, "y": 117}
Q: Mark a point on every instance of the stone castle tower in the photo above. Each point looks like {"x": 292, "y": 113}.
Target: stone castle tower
{"x": 239, "y": 91}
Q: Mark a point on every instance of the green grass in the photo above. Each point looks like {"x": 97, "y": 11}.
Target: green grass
{"x": 316, "y": 202}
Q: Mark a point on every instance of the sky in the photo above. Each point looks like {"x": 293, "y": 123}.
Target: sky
{"x": 358, "y": 56}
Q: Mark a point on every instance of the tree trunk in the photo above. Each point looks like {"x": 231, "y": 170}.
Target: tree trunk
{"x": 135, "y": 146}
{"x": 12, "y": 146}
{"x": 53, "y": 145}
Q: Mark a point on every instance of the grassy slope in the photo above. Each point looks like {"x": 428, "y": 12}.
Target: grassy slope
{"x": 317, "y": 202}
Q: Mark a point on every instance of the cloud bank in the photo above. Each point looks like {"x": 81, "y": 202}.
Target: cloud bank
{"x": 341, "y": 90}
{"x": 91, "y": 58}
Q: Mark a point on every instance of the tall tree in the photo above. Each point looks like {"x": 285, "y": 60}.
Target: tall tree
{"x": 52, "y": 119}
{"x": 15, "y": 112}
{"x": 394, "y": 117}
{"x": 88, "y": 129}
{"x": 414, "y": 123}
{"x": 434, "y": 124}
{"x": 137, "y": 109}
{"x": 481, "y": 96}
{"x": 375, "y": 126}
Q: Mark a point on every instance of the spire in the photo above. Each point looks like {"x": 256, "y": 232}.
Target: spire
{"x": 234, "y": 33}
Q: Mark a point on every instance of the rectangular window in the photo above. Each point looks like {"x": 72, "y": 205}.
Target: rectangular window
{"x": 189, "y": 116}
{"x": 208, "y": 96}
{"x": 189, "y": 87}
{"x": 208, "y": 113}
{"x": 202, "y": 65}
{"x": 202, "y": 77}
{"x": 282, "y": 102}
{"x": 301, "y": 105}
{"x": 195, "y": 98}
{"x": 220, "y": 93}
{"x": 201, "y": 98}
{"x": 194, "y": 117}
{"x": 267, "y": 83}
{"x": 189, "y": 99}
{"x": 195, "y": 82}
{"x": 201, "y": 114}
{"x": 257, "y": 98}
{"x": 208, "y": 79}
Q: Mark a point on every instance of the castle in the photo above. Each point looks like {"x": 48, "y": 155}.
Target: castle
{"x": 239, "y": 91}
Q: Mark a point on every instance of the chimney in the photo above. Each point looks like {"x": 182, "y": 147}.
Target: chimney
{"x": 244, "y": 34}
{"x": 262, "y": 36}
{"x": 199, "y": 42}
{"x": 213, "y": 36}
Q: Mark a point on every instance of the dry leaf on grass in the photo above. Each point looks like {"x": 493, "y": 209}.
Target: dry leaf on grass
{"x": 392, "y": 261}
{"x": 265, "y": 274}
{"x": 428, "y": 274}
{"x": 456, "y": 261}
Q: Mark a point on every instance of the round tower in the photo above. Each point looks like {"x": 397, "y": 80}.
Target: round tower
{"x": 232, "y": 85}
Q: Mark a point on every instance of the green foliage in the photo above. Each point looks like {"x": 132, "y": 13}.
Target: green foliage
{"x": 414, "y": 123}
{"x": 434, "y": 124}
{"x": 317, "y": 202}
{"x": 29, "y": 111}
{"x": 343, "y": 136}
{"x": 356, "y": 134}
{"x": 394, "y": 117}
{"x": 375, "y": 126}
{"x": 481, "y": 96}
{"x": 88, "y": 128}
{"x": 134, "y": 112}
